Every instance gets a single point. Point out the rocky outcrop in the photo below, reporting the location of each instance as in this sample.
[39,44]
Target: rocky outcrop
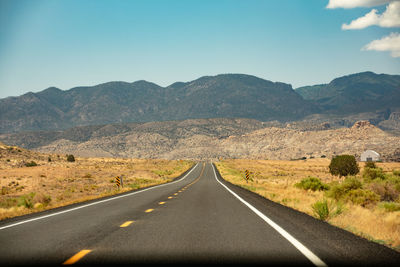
[215,138]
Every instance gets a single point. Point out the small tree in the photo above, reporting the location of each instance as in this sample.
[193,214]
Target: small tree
[370,164]
[70,158]
[344,165]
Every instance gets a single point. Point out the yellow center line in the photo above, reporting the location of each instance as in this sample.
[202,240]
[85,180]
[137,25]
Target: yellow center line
[149,210]
[77,257]
[175,194]
[161,203]
[126,224]
[170,197]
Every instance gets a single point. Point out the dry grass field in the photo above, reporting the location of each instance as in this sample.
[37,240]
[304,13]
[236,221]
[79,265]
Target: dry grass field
[275,180]
[59,182]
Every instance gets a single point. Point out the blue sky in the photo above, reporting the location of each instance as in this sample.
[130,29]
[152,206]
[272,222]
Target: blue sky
[65,44]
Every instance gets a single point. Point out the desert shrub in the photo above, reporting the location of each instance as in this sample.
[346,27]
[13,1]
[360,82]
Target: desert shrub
[370,174]
[26,200]
[88,175]
[49,159]
[5,190]
[31,164]
[70,158]
[312,183]
[394,180]
[396,172]
[321,209]
[390,206]
[370,164]
[362,197]
[351,183]
[338,191]
[43,199]
[344,165]
[325,210]
[385,190]
[323,156]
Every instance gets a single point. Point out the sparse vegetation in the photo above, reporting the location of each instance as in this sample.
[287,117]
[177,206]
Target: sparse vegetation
[63,183]
[26,200]
[366,203]
[370,164]
[312,183]
[31,164]
[390,206]
[70,158]
[344,165]
[325,210]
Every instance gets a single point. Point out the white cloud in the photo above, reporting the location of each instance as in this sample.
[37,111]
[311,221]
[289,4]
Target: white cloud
[389,43]
[389,18]
[356,3]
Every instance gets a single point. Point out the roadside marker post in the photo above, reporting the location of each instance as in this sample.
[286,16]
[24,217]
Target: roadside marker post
[247,175]
[118,181]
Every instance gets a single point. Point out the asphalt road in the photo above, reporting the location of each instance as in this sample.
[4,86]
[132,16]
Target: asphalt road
[198,218]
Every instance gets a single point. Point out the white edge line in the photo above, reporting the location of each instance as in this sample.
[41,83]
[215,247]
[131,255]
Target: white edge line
[95,203]
[305,251]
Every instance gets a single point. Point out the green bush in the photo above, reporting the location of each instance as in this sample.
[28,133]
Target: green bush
[70,158]
[321,209]
[312,183]
[390,206]
[31,164]
[370,174]
[362,197]
[325,210]
[26,200]
[396,172]
[338,191]
[394,180]
[370,164]
[344,165]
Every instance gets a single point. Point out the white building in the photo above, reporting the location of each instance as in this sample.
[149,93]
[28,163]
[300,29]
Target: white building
[370,155]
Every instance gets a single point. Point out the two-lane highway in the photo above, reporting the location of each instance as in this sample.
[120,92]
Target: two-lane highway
[197,218]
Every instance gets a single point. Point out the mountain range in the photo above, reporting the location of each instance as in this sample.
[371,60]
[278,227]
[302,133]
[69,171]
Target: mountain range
[220,96]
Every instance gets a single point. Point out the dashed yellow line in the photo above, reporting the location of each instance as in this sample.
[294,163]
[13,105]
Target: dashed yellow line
[77,257]
[161,203]
[175,194]
[149,210]
[126,224]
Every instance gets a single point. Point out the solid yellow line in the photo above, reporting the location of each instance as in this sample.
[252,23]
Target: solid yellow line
[126,224]
[76,257]
[161,203]
[149,210]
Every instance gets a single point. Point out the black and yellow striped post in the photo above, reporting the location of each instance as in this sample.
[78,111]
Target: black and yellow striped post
[247,175]
[118,181]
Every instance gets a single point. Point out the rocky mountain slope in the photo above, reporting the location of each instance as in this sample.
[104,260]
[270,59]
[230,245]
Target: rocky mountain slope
[356,93]
[221,96]
[212,139]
